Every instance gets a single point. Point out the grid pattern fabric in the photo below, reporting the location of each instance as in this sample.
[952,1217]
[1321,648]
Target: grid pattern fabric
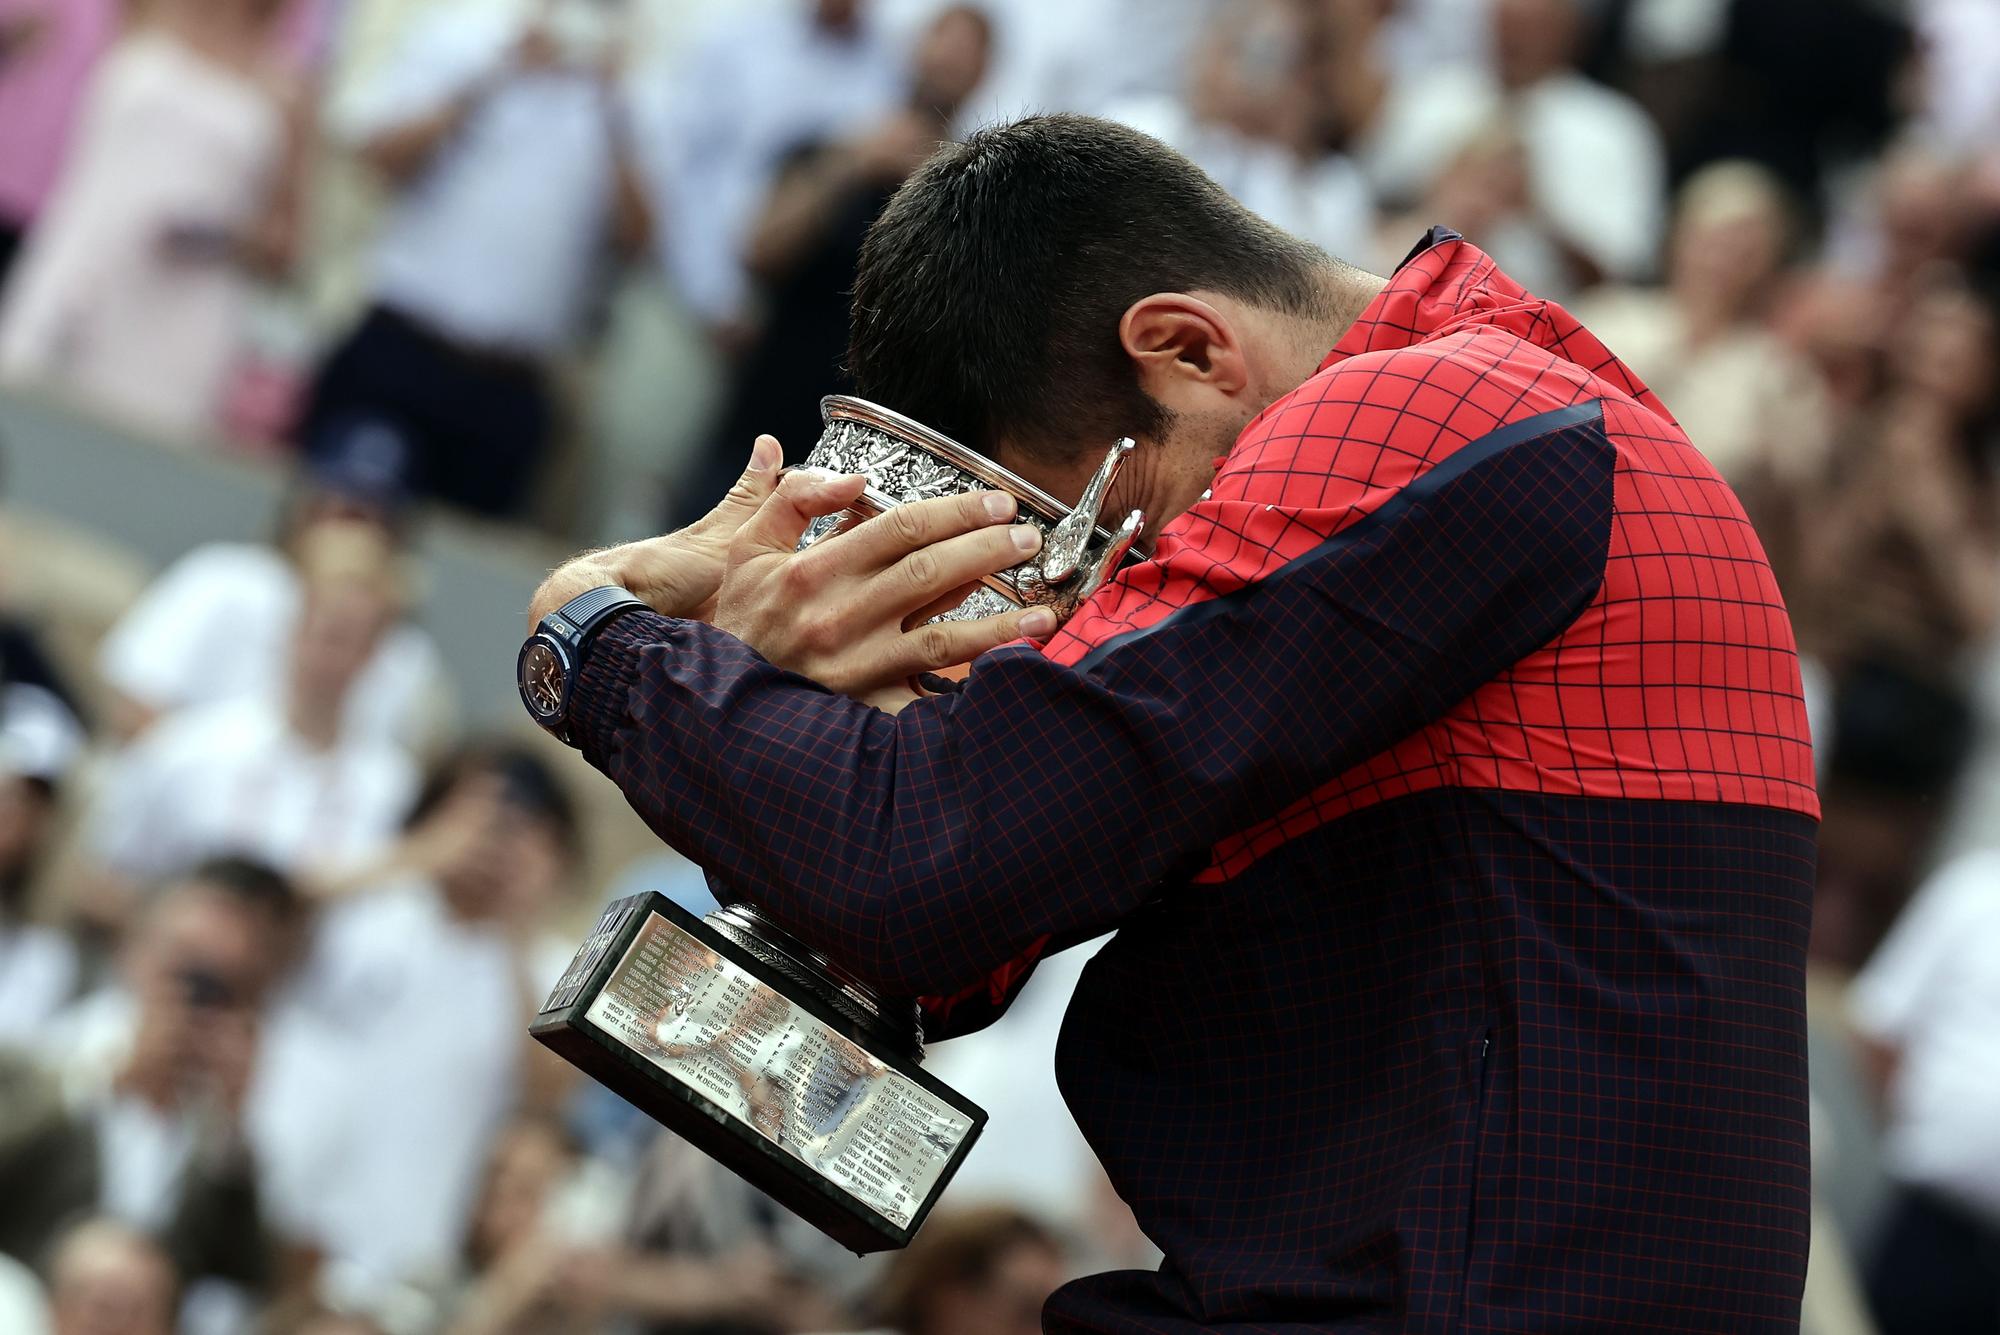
[1446,779]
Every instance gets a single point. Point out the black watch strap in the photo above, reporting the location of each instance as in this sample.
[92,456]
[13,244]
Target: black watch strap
[579,618]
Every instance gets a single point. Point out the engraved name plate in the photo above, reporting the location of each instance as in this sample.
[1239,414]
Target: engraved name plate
[679,1020]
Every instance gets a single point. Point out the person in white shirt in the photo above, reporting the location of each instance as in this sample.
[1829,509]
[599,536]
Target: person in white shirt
[1929,999]
[1596,166]
[270,776]
[506,139]
[402,1050]
[217,625]
[760,84]
[1246,118]
[39,740]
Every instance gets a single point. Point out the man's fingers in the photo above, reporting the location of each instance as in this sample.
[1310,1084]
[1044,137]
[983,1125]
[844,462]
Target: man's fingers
[932,571]
[943,644]
[888,538]
[801,496]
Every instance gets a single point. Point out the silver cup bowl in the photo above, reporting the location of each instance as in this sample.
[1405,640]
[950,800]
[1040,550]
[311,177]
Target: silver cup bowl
[905,461]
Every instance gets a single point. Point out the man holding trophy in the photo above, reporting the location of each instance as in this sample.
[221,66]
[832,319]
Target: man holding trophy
[1440,764]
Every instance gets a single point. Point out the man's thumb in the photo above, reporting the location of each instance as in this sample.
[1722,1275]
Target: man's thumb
[751,490]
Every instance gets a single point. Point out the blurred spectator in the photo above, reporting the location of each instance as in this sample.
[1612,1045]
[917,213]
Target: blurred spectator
[39,739]
[688,1212]
[973,1272]
[529,1274]
[217,626]
[1753,405]
[804,245]
[759,85]
[107,1279]
[403,1051]
[1901,566]
[1929,998]
[1483,190]
[1595,168]
[1248,120]
[273,775]
[506,140]
[155,1069]
[1914,224]
[182,178]
[1088,55]
[47,50]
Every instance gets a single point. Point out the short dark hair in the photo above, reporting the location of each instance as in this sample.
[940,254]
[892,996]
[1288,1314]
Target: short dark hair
[532,785]
[254,885]
[990,289]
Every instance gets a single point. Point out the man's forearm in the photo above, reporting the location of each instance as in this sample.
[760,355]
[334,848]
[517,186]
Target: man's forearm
[673,576]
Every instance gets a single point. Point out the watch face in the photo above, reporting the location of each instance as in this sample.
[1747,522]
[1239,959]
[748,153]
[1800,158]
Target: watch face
[543,673]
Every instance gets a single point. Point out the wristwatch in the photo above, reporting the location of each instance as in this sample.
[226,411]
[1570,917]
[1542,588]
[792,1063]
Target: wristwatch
[551,658]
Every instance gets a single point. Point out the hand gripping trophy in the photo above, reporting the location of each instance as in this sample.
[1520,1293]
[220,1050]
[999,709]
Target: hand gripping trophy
[759,1050]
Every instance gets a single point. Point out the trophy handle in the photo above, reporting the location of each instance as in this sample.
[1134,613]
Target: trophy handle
[1106,564]
[1064,550]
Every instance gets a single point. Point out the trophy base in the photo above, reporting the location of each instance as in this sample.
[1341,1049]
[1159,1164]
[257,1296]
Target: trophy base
[760,1054]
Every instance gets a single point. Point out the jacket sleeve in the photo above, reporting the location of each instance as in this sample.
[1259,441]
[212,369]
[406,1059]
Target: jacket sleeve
[1049,799]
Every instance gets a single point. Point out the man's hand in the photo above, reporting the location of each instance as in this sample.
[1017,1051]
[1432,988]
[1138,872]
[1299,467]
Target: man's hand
[850,611]
[676,575]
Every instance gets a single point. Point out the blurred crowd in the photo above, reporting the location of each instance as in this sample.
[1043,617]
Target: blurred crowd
[271,925]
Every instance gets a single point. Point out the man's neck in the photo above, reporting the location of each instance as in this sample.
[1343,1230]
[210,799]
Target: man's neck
[1347,293]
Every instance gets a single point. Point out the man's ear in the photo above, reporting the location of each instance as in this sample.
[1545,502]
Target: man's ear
[1181,344]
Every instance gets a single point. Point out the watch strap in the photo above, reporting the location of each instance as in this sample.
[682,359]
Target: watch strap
[580,617]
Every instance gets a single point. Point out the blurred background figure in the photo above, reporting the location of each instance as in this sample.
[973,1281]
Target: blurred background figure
[140,1108]
[273,773]
[505,139]
[1926,1001]
[805,240]
[181,181]
[108,1279]
[217,626]
[1899,584]
[1595,167]
[47,50]
[1703,342]
[422,972]
[1250,117]
[973,1272]
[758,86]
[39,743]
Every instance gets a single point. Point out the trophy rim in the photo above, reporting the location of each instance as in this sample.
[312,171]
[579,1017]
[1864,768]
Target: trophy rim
[849,408]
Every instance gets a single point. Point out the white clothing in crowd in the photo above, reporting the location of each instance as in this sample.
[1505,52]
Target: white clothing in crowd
[167,140]
[498,240]
[1083,55]
[23,1311]
[1596,167]
[232,778]
[755,88]
[217,626]
[1325,200]
[386,1072]
[1031,1151]
[38,973]
[1931,992]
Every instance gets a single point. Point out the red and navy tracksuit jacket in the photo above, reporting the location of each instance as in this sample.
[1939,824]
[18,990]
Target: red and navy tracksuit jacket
[1446,781]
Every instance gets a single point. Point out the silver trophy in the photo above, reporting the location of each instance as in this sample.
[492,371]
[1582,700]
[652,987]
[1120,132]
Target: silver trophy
[906,461]
[756,1048]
